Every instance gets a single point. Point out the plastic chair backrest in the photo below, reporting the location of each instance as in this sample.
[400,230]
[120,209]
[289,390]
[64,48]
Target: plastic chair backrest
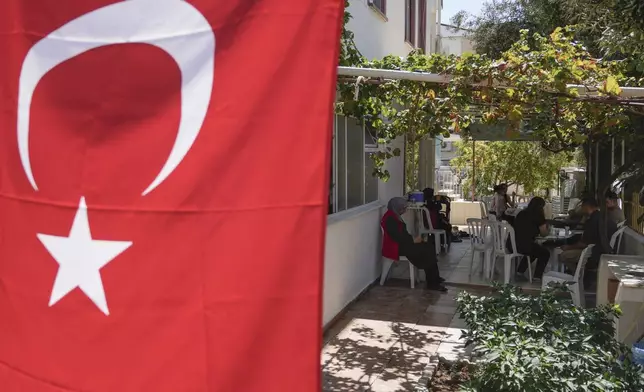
[621,224]
[503,231]
[581,265]
[479,229]
[616,239]
[425,213]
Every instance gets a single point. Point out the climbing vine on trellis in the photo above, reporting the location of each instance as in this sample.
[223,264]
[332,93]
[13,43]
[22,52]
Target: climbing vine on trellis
[527,88]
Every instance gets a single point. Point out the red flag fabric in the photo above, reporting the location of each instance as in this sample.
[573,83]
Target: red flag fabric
[163,193]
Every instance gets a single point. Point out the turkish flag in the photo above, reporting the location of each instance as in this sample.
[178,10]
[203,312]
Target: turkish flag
[163,193]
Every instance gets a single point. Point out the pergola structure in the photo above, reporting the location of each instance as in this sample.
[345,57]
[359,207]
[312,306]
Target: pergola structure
[629,92]
[477,131]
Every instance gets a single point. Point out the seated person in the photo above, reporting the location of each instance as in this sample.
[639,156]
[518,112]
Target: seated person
[576,216]
[439,221]
[500,203]
[613,212]
[528,224]
[398,242]
[591,236]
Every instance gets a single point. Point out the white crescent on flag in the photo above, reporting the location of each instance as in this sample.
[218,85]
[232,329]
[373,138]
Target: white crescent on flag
[161,23]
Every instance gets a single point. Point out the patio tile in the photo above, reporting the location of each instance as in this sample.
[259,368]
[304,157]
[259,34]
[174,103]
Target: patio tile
[343,377]
[453,351]
[357,363]
[409,315]
[398,316]
[457,323]
[400,375]
[442,309]
[386,339]
[447,299]
[415,349]
[438,320]
[453,335]
[339,326]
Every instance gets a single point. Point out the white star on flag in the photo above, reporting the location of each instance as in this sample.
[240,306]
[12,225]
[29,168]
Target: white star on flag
[80,259]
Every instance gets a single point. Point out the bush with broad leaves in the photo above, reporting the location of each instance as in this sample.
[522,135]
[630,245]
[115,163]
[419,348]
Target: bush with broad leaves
[545,344]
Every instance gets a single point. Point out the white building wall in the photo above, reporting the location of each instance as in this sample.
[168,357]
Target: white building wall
[454,41]
[378,35]
[352,249]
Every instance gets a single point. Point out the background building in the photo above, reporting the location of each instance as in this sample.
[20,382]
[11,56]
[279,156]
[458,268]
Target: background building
[352,258]
[454,40]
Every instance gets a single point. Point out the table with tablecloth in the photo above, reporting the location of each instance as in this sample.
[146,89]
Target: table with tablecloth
[628,272]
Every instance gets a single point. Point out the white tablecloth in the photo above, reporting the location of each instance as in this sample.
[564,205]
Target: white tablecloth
[629,271]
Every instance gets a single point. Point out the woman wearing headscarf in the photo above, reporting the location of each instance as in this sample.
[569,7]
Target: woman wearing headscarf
[398,242]
[439,221]
[528,224]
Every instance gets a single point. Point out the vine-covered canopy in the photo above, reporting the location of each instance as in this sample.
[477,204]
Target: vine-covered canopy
[528,88]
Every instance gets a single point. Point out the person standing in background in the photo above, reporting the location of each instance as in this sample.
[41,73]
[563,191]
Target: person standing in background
[501,202]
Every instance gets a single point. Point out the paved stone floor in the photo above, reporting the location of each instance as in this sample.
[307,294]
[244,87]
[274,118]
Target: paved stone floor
[384,341]
[455,268]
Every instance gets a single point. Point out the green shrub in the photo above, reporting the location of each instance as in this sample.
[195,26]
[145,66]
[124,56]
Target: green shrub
[544,344]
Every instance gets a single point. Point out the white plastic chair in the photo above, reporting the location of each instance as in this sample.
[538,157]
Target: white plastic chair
[576,282]
[616,239]
[481,242]
[387,263]
[621,224]
[437,233]
[503,231]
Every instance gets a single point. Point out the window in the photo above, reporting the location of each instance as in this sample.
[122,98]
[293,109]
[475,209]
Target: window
[410,20]
[370,182]
[422,25]
[380,5]
[352,180]
[341,163]
[355,168]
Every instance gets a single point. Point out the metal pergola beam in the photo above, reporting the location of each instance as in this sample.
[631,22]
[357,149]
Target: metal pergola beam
[627,92]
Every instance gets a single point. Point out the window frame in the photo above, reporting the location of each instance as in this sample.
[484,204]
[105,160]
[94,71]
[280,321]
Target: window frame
[379,5]
[422,25]
[410,22]
[366,149]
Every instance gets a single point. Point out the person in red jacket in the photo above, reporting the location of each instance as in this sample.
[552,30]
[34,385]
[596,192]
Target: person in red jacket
[398,242]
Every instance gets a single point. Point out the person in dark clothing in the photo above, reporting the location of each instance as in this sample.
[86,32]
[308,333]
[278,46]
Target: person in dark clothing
[528,224]
[592,235]
[398,242]
[439,221]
